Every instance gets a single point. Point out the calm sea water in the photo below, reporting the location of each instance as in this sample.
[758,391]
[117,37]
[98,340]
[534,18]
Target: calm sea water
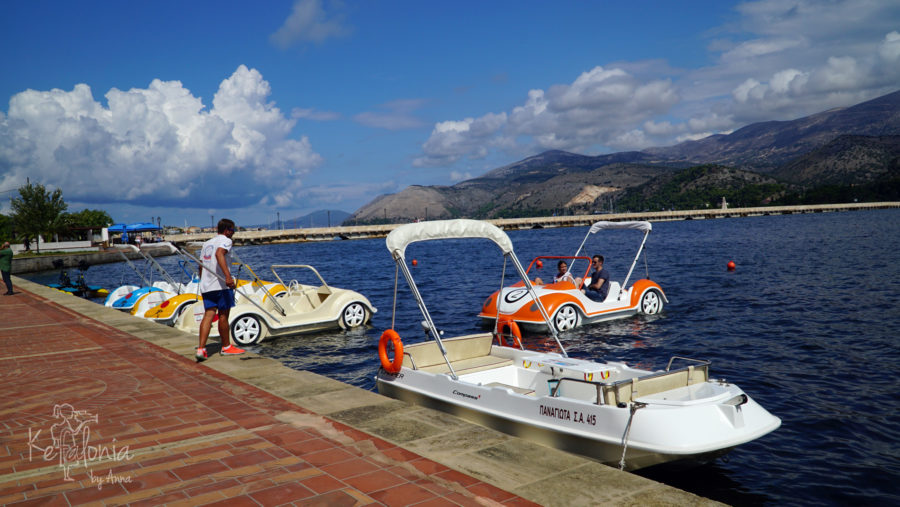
[808,325]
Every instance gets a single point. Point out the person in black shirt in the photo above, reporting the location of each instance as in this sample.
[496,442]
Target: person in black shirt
[599,286]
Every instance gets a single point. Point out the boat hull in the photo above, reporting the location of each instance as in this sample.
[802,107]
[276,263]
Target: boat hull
[607,453]
[689,433]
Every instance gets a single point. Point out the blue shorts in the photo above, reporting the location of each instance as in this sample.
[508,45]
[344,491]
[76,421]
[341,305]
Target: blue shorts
[594,295]
[219,299]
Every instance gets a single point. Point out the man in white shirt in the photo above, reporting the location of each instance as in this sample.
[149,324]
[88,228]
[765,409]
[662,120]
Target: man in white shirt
[217,288]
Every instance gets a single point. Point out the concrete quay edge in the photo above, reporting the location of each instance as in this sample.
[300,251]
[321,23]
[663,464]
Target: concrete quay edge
[534,472]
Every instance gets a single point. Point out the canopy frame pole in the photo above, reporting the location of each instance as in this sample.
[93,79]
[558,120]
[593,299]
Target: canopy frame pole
[165,274]
[574,259]
[401,263]
[259,283]
[537,301]
[396,284]
[633,263]
[499,298]
[133,267]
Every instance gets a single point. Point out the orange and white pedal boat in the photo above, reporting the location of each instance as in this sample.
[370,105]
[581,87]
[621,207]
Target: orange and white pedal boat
[564,301]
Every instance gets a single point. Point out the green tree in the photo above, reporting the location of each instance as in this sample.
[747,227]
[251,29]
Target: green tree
[38,212]
[89,218]
[5,228]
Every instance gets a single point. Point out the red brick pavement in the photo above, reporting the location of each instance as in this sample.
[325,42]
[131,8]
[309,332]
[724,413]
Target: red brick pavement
[155,428]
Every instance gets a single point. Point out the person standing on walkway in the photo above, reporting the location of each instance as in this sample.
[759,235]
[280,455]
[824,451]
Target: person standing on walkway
[6,255]
[217,288]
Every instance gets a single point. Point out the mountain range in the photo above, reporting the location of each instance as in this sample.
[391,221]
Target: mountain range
[767,161]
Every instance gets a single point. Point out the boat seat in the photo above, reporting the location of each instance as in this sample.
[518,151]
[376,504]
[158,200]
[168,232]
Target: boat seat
[471,365]
[627,391]
[467,354]
[302,302]
[613,293]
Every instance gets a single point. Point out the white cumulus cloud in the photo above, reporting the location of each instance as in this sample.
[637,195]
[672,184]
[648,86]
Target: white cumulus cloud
[601,107]
[790,59]
[890,48]
[775,61]
[157,145]
[453,140]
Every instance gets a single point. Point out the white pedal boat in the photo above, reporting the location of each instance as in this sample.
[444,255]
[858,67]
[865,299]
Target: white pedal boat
[264,310]
[609,411]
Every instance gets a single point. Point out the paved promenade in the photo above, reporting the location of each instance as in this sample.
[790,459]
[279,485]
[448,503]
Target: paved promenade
[100,407]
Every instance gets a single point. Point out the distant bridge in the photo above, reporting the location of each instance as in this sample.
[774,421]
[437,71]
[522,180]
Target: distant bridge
[380,231]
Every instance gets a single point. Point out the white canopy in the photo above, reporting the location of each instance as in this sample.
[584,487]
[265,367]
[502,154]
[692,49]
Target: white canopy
[603,225]
[402,236]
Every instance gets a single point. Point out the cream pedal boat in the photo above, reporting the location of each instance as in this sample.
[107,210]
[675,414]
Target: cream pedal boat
[301,308]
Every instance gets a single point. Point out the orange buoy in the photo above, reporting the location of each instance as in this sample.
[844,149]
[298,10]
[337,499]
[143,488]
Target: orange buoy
[731,265]
[539,264]
[513,333]
[415,262]
[392,366]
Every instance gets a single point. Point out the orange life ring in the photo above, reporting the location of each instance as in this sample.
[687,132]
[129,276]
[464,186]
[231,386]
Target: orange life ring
[390,366]
[513,330]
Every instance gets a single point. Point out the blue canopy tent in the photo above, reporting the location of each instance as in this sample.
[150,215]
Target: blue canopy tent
[138,227]
[142,227]
[133,228]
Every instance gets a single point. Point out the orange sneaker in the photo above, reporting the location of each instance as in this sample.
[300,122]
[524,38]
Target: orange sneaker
[231,350]
[201,355]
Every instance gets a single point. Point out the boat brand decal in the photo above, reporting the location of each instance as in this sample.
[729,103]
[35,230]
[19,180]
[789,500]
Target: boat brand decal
[604,374]
[466,395]
[515,295]
[589,377]
[526,364]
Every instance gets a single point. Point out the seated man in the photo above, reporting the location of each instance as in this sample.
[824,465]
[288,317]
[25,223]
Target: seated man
[599,286]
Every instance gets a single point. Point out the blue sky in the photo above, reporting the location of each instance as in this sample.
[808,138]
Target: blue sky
[183,110]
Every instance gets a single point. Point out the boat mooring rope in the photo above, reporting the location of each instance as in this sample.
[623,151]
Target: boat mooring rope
[635,406]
